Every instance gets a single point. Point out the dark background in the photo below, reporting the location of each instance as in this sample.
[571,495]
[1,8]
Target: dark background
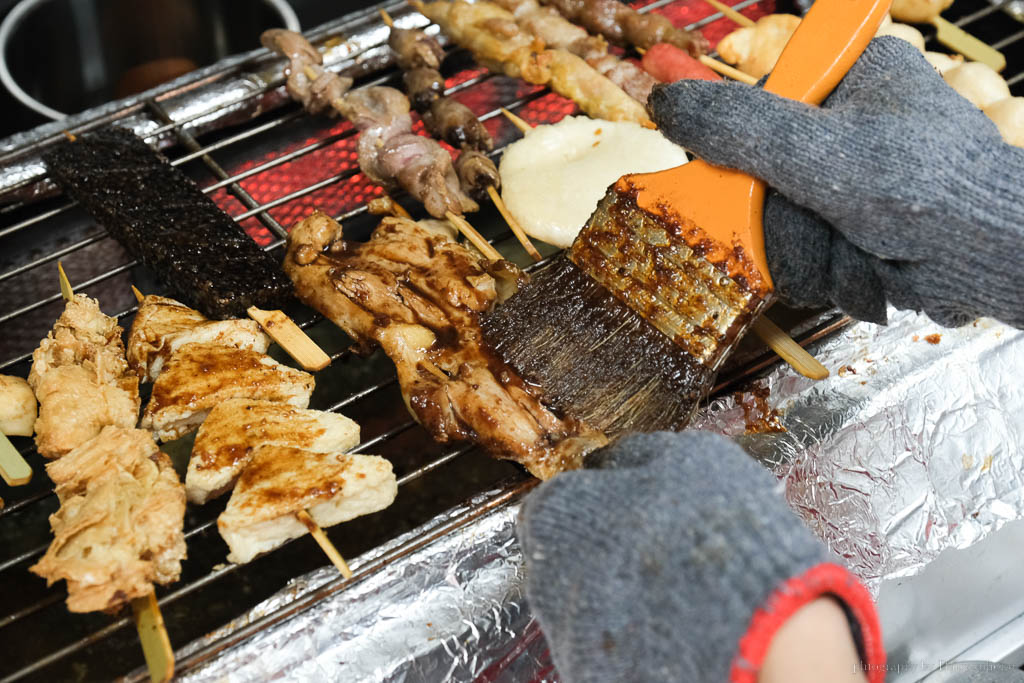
[15,117]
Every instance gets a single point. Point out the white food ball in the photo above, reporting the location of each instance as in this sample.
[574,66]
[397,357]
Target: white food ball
[17,406]
[942,62]
[918,11]
[978,82]
[1008,115]
[903,32]
[553,178]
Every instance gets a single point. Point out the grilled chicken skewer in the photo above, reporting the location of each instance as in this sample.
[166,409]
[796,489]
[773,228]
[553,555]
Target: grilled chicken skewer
[237,431]
[499,43]
[120,524]
[623,25]
[420,56]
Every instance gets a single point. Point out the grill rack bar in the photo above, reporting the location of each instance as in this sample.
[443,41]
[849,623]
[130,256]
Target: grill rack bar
[254,208]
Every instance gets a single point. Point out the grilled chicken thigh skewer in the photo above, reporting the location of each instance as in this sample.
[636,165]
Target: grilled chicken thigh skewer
[420,55]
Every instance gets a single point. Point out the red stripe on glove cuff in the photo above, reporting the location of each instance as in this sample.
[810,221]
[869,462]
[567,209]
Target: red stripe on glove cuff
[818,581]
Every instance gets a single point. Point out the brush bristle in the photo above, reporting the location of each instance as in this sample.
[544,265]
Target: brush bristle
[595,358]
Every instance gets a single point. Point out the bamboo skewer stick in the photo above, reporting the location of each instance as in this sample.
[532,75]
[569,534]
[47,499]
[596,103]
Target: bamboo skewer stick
[770,333]
[731,13]
[14,469]
[470,233]
[517,229]
[149,622]
[726,70]
[499,203]
[291,338]
[156,644]
[325,543]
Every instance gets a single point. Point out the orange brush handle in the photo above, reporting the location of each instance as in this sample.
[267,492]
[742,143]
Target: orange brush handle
[827,42]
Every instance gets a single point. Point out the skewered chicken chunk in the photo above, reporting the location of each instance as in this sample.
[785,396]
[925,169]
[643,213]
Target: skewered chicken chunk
[119,527]
[17,407]
[163,325]
[281,481]
[236,428]
[415,49]
[200,376]
[418,294]
[918,11]
[756,49]
[1008,115]
[81,379]
[978,82]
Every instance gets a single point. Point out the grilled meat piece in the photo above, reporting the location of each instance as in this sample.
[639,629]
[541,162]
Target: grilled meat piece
[317,95]
[236,428]
[623,25]
[456,124]
[498,42]
[290,44]
[200,376]
[163,218]
[390,154]
[415,49]
[17,407]
[424,86]
[81,379]
[120,525]
[418,294]
[476,173]
[281,481]
[163,325]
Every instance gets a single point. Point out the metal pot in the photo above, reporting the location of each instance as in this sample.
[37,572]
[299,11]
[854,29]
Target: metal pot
[60,56]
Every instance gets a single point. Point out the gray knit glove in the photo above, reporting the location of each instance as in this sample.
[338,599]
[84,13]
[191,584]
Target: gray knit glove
[897,189]
[676,561]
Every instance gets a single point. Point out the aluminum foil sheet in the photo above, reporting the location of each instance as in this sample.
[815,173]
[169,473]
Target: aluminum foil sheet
[913,445]
[448,611]
[233,90]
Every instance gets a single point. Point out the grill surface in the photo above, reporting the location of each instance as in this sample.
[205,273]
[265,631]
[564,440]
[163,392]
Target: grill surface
[268,173]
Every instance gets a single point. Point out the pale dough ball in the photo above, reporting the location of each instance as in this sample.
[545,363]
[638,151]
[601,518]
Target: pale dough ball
[918,11]
[942,62]
[553,178]
[17,406]
[978,82]
[903,32]
[1008,115]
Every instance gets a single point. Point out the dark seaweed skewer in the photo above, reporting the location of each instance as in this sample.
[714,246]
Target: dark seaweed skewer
[163,219]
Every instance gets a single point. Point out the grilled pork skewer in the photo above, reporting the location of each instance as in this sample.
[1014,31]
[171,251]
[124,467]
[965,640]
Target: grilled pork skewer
[451,121]
[499,43]
[623,25]
[416,293]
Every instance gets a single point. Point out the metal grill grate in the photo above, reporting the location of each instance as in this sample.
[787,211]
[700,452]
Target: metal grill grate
[281,164]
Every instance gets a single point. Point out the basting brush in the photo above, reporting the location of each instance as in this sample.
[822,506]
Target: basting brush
[626,329]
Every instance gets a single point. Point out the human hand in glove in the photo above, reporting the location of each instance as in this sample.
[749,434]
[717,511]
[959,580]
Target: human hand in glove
[897,189]
[676,559]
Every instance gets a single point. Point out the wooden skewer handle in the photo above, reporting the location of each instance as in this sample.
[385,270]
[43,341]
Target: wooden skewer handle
[726,70]
[325,543]
[156,645]
[291,338]
[13,468]
[962,42]
[731,13]
[791,352]
[517,229]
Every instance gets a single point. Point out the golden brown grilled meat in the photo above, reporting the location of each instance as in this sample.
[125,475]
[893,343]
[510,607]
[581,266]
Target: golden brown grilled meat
[200,376]
[281,481]
[476,173]
[415,49]
[17,407]
[456,124]
[81,379]
[236,428]
[119,527]
[418,294]
[164,325]
[424,86]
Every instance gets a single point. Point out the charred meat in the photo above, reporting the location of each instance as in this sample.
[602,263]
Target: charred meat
[418,294]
